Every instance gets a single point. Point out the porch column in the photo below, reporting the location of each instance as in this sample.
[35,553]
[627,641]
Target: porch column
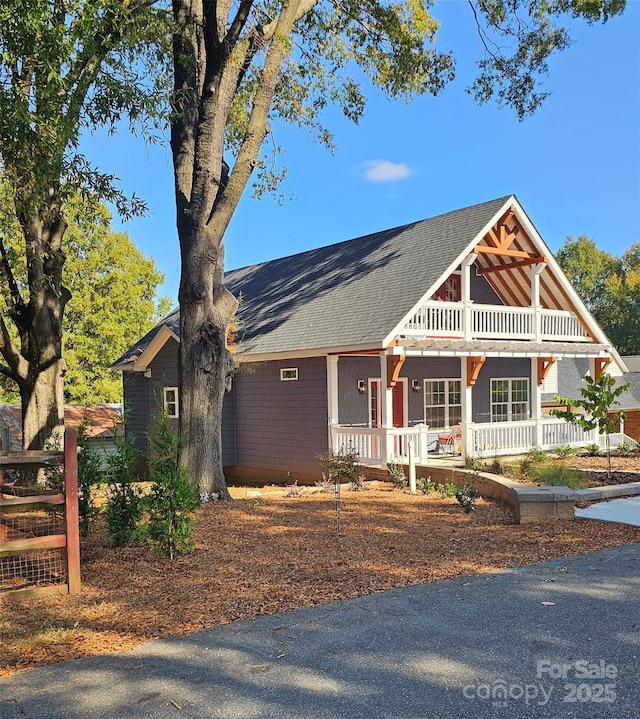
[332,395]
[465,292]
[536,401]
[466,409]
[386,409]
[536,271]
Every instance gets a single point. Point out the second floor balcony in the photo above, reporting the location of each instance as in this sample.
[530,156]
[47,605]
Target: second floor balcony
[470,321]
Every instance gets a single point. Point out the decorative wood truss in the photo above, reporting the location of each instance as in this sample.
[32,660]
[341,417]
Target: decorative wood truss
[500,242]
[474,365]
[601,364]
[394,365]
[544,365]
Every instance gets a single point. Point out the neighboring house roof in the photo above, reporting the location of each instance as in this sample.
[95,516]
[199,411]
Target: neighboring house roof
[99,419]
[355,295]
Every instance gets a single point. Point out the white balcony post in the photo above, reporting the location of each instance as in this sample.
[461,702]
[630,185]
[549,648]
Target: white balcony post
[465,291]
[536,271]
[332,396]
[423,443]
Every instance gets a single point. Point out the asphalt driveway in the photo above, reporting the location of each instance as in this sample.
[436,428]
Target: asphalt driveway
[555,640]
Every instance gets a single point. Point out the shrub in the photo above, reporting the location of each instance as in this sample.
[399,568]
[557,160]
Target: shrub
[172,499]
[525,467]
[425,485]
[358,484]
[397,474]
[557,475]
[123,509]
[496,466]
[293,490]
[467,496]
[592,450]
[625,449]
[90,477]
[337,466]
[446,490]
[564,451]
[536,455]
[325,484]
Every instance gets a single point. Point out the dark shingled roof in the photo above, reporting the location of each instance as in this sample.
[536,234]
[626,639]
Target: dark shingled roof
[350,293]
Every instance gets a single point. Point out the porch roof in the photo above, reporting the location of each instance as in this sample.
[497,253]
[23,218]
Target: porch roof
[432,346]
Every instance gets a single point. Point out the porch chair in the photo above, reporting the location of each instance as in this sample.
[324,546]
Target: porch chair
[450,442]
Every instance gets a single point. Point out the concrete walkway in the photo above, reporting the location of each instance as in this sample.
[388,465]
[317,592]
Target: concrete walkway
[555,640]
[620,511]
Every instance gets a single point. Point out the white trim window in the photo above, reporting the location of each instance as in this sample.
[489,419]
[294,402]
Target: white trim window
[288,374]
[442,403]
[170,401]
[510,399]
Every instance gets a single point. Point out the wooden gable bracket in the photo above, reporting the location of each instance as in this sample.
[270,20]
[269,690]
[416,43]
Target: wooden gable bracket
[499,241]
[601,364]
[394,365]
[544,365]
[474,365]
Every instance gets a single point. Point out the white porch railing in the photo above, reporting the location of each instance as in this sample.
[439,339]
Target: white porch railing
[474,321]
[377,445]
[502,438]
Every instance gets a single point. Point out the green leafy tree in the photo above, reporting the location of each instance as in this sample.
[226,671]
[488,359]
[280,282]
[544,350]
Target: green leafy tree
[619,316]
[596,404]
[589,270]
[65,67]
[113,287]
[240,68]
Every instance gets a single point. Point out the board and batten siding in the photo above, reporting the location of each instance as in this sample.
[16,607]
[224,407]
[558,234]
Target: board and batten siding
[281,426]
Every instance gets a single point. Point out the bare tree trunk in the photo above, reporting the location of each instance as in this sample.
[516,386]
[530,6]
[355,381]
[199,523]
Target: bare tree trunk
[43,408]
[205,362]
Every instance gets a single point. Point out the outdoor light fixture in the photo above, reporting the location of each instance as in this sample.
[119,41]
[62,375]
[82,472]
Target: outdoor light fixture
[362,386]
[415,385]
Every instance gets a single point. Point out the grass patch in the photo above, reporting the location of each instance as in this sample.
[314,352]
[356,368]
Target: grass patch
[557,475]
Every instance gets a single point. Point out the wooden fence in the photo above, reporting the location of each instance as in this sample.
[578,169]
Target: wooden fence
[39,534]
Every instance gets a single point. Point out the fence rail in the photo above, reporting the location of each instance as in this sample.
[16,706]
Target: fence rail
[39,534]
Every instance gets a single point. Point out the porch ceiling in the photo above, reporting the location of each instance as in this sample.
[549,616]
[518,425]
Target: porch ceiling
[496,348]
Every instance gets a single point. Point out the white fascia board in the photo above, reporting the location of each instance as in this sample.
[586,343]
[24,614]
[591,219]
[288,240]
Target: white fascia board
[151,350]
[304,354]
[450,352]
[456,263]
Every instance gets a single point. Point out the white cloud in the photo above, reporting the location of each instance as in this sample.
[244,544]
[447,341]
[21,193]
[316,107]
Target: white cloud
[385,171]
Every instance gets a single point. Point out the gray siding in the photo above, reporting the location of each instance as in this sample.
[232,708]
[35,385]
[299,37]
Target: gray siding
[135,408]
[353,406]
[497,368]
[282,426]
[229,457]
[481,290]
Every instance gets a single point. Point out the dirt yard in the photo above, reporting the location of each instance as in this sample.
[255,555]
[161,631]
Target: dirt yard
[273,553]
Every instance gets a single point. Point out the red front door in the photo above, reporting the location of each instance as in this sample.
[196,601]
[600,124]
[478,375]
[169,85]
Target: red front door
[397,403]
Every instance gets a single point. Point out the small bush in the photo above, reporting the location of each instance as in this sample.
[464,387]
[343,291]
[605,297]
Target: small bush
[337,466]
[172,499]
[592,450]
[358,484]
[446,490]
[425,485]
[471,462]
[397,474]
[293,490]
[565,451]
[90,477]
[467,496]
[537,455]
[525,467]
[624,449]
[557,475]
[325,484]
[496,466]
[123,509]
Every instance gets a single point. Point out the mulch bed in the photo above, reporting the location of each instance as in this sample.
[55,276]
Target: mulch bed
[273,553]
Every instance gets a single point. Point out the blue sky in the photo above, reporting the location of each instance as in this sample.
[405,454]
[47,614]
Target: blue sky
[574,165]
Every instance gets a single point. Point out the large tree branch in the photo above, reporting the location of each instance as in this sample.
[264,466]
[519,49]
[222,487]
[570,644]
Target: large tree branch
[12,297]
[279,31]
[17,364]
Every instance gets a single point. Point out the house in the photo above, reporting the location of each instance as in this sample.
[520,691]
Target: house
[100,422]
[387,342]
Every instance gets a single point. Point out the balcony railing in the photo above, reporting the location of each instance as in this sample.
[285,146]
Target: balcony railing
[474,321]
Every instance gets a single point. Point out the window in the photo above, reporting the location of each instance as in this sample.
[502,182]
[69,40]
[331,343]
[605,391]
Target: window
[450,290]
[509,400]
[170,401]
[288,374]
[442,402]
